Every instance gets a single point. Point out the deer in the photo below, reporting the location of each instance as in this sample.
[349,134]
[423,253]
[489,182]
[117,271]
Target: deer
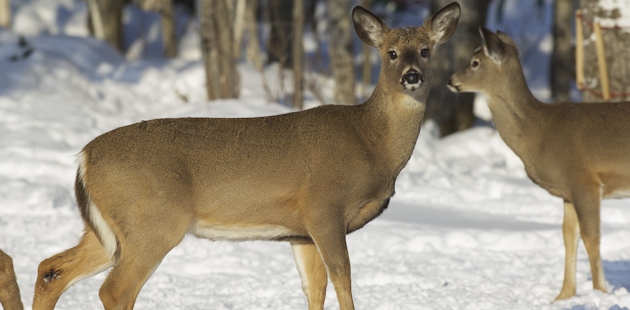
[579,152]
[308,178]
[9,290]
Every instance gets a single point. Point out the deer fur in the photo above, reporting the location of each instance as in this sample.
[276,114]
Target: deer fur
[9,290]
[307,177]
[579,152]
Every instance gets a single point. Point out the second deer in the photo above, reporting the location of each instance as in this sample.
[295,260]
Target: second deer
[307,177]
[579,152]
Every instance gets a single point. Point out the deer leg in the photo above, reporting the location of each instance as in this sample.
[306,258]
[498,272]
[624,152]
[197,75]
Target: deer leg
[312,272]
[140,255]
[330,239]
[587,208]
[571,234]
[57,273]
[9,292]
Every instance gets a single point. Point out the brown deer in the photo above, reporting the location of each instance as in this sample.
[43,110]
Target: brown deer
[579,152]
[307,177]
[9,290]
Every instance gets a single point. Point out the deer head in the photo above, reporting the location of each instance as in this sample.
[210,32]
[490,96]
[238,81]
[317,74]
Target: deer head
[405,52]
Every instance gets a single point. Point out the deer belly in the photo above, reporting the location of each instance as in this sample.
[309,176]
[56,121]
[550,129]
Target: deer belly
[241,232]
[623,192]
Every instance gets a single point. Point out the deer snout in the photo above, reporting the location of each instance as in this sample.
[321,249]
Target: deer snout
[412,79]
[453,86]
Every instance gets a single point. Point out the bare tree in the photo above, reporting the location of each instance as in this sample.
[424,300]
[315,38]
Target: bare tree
[222,77]
[105,21]
[253,53]
[298,53]
[239,26]
[279,45]
[367,52]
[5,14]
[616,42]
[562,63]
[167,14]
[340,50]
[454,112]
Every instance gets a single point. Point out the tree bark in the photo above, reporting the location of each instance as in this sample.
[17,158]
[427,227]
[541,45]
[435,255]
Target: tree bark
[454,112]
[279,46]
[367,52]
[5,14]
[239,26]
[105,21]
[616,43]
[166,9]
[340,50]
[562,60]
[222,77]
[253,48]
[298,54]
[169,38]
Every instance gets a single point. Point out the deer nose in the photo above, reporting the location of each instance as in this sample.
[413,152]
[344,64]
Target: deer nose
[413,77]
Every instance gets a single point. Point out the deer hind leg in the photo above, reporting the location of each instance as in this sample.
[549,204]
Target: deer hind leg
[140,254]
[571,234]
[9,290]
[313,273]
[587,208]
[57,273]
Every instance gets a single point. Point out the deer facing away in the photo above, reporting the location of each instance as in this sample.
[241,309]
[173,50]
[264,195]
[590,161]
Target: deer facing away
[579,152]
[307,177]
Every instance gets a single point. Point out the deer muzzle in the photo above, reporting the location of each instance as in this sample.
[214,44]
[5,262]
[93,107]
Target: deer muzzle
[412,80]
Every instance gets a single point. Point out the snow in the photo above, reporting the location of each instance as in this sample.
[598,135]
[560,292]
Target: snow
[466,229]
[619,13]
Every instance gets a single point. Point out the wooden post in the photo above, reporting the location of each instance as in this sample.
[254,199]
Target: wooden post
[579,50]
[601,61]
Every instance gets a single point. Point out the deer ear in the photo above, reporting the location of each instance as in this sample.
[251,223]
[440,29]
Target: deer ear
[369,27]
[444,23]
[493,46]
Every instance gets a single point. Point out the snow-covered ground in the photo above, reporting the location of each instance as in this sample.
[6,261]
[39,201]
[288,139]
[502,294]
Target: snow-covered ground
[466,229]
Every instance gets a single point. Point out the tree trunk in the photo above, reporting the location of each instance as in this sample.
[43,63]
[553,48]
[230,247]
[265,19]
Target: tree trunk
[166,9]
[239,27]
[367,52]
[253,48]
[5,14]
[279,47]
[169,38]
[105,21]
[454,112]
[616,44]
[340,50]
[298,54]
[222,77]
[562,61]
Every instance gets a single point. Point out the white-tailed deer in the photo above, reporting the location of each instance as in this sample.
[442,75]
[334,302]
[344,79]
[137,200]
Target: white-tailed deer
[9,290]
[307,177]
[579,152]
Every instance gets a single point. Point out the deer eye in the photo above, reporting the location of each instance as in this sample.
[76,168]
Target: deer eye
[424,52]
[474,64]
[392,55]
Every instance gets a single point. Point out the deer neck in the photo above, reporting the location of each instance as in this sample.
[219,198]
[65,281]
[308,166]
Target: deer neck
[517,114]
[394,120]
